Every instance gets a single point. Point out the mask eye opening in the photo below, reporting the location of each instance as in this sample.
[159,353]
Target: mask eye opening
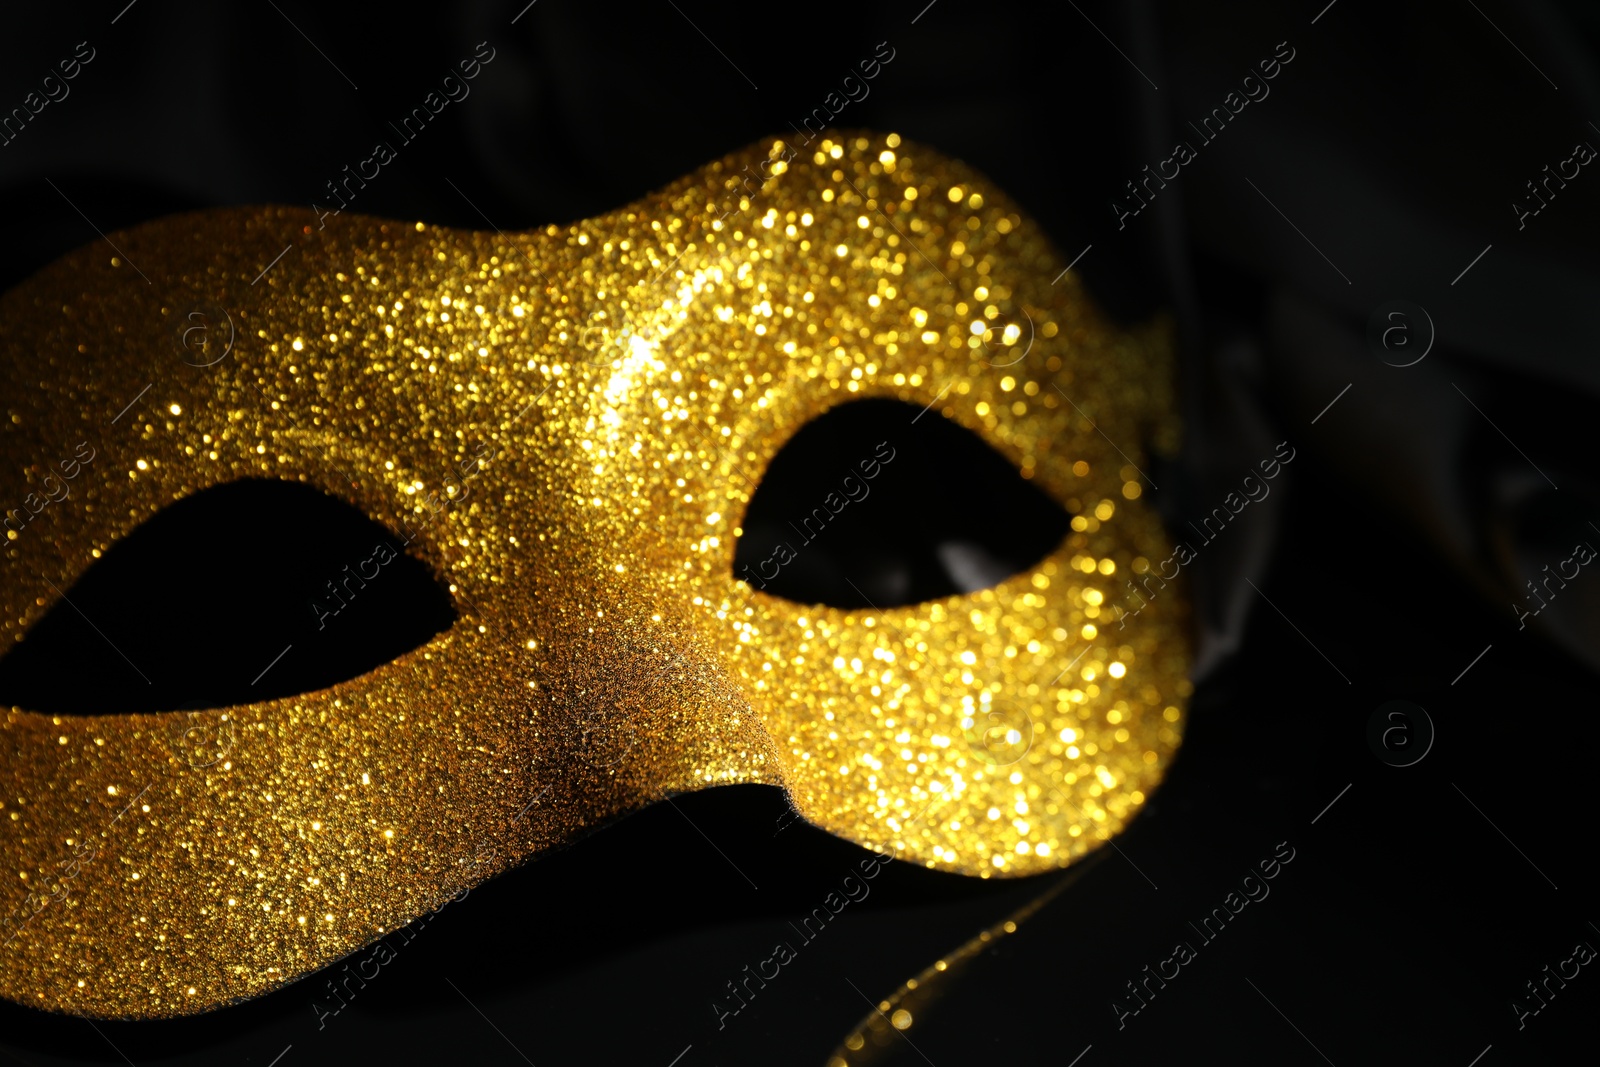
[876,503]
[248,591]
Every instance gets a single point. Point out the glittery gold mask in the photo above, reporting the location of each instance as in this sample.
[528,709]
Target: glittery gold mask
[566,425]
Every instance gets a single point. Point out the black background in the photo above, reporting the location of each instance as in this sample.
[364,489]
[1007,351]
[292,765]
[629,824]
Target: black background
[1417,905]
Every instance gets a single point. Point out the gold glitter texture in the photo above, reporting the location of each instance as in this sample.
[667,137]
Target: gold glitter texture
[630,377]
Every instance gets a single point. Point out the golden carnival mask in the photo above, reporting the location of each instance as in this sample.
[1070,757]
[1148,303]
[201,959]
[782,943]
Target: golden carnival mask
[613,389]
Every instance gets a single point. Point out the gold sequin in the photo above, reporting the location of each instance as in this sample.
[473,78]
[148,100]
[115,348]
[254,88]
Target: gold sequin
[572,421]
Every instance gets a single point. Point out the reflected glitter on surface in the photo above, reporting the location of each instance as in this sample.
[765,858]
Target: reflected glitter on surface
[873,1041]
[629,377]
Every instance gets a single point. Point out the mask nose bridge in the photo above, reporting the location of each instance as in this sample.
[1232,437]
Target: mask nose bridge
[617,638]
